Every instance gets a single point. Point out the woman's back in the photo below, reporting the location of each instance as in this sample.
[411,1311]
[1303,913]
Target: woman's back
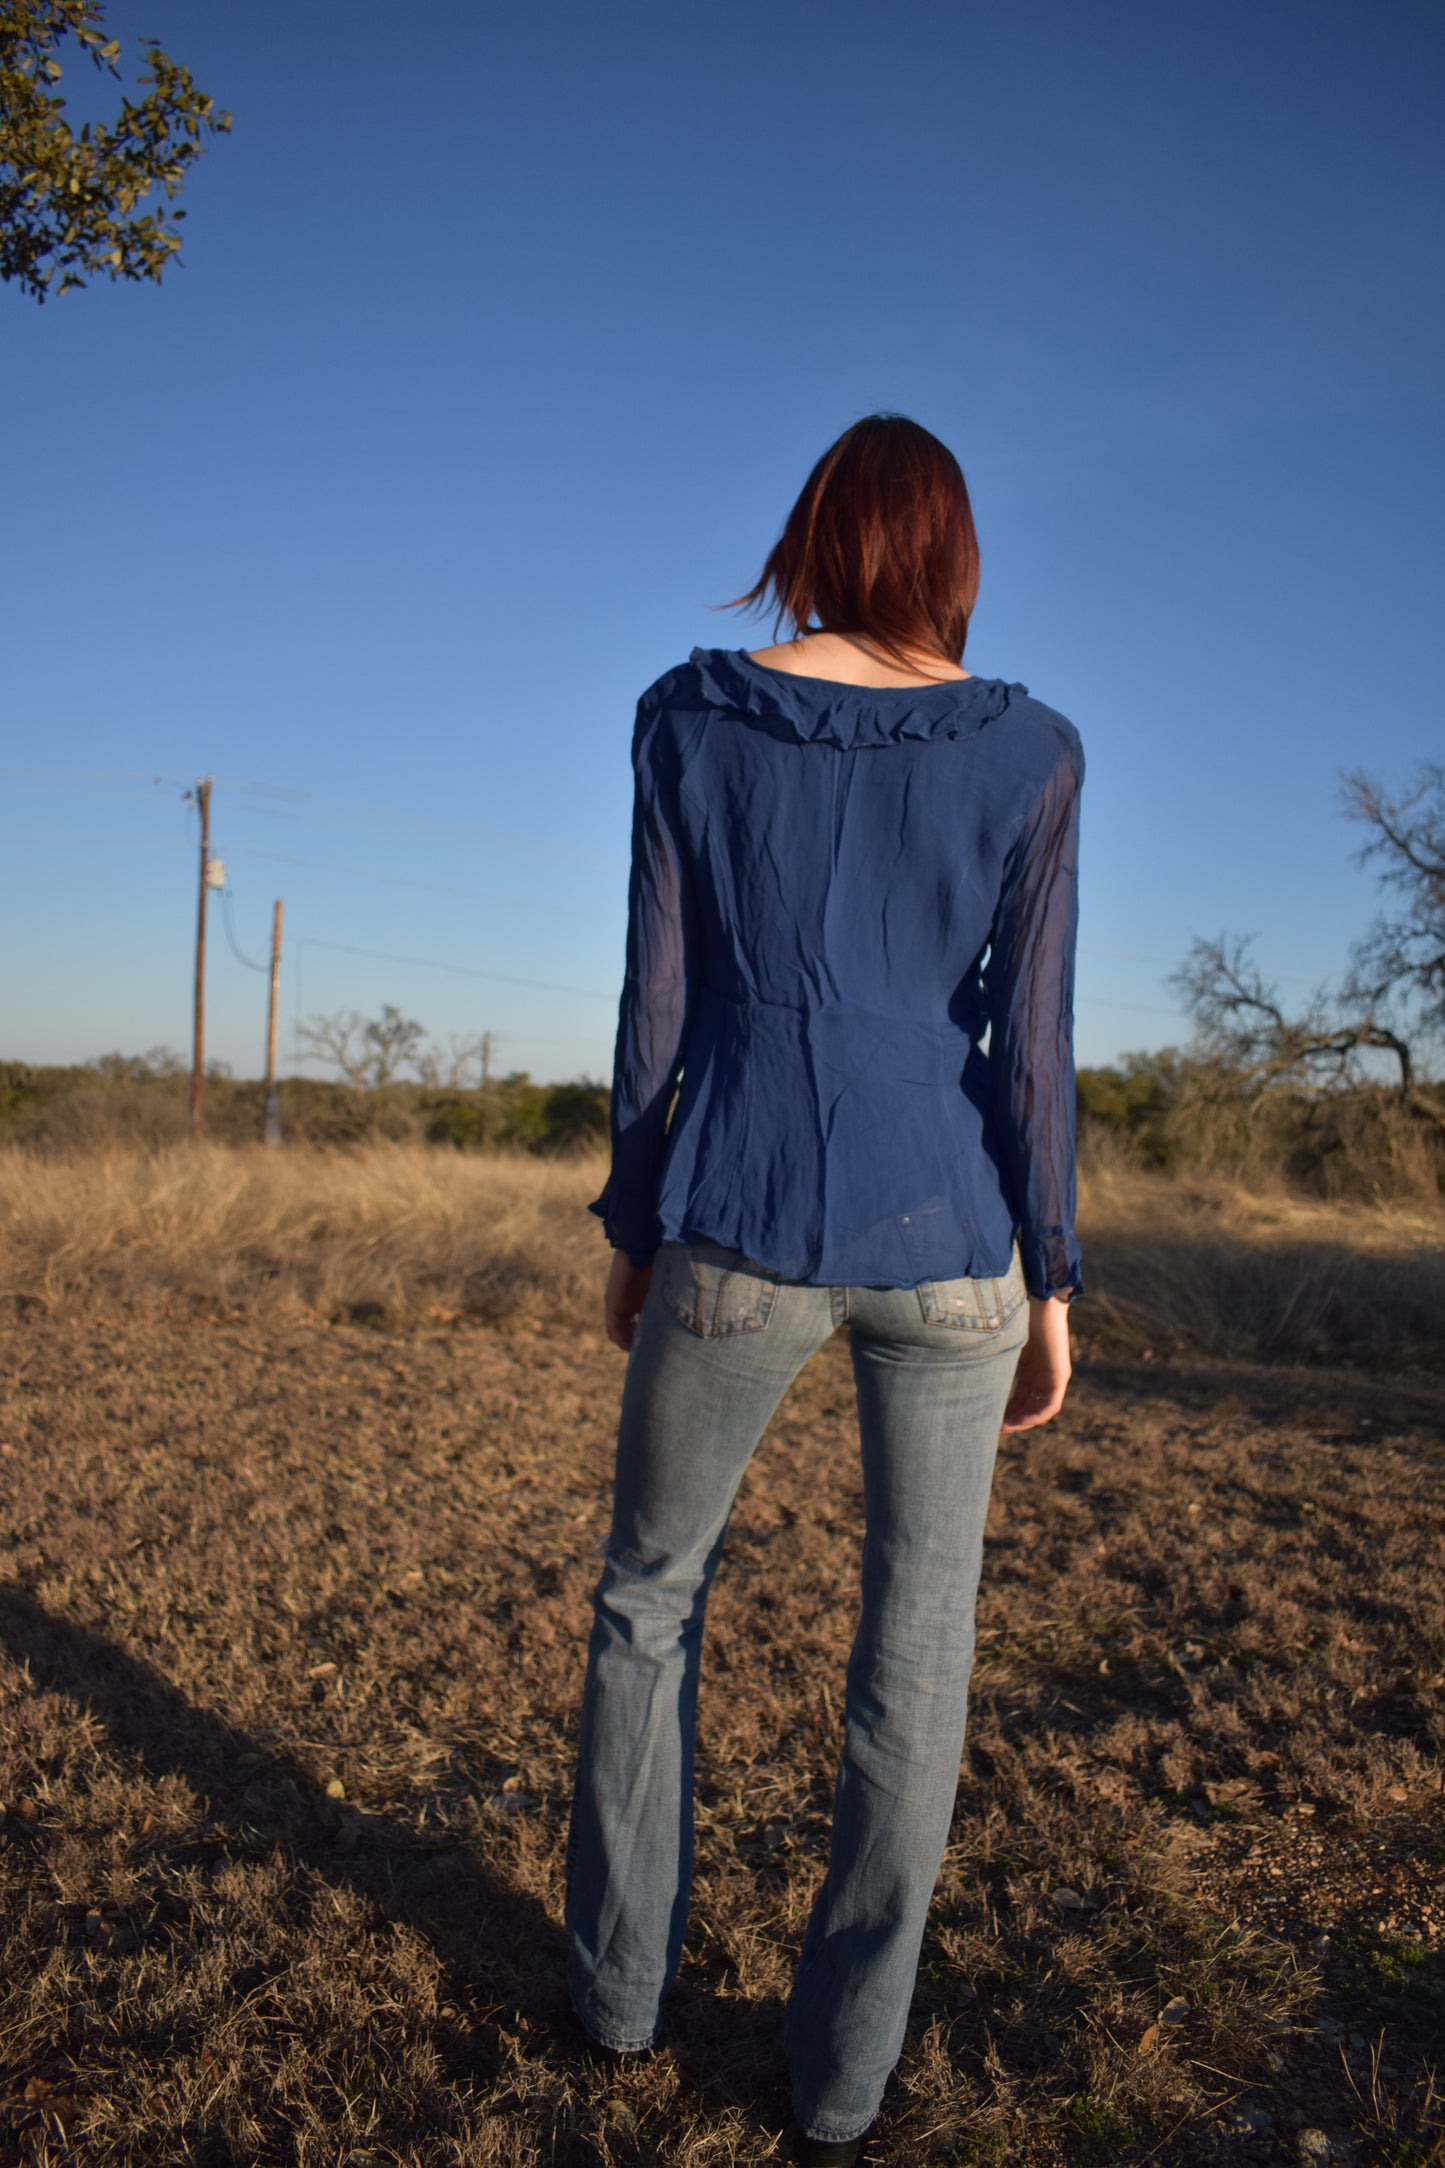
[820,870]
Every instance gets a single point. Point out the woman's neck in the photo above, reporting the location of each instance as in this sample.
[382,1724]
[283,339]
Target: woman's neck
[848,658]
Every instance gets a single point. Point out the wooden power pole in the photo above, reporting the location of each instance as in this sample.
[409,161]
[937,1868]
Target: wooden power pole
[272,1129]
[198,1036]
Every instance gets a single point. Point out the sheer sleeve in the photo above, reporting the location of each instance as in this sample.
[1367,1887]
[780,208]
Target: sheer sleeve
[657,985]
[1030,985]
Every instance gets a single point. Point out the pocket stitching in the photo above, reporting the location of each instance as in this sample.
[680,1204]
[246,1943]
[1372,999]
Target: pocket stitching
[755,1322]
[705,1319]
[996,1308]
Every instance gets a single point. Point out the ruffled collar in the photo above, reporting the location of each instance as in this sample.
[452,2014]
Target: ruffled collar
[822,712]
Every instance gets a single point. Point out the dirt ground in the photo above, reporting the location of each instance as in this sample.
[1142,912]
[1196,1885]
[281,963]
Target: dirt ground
[290,1640]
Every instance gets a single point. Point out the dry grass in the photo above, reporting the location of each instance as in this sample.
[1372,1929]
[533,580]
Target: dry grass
[377,1230]
[1259,1271]
[406,1233]
[290,1635]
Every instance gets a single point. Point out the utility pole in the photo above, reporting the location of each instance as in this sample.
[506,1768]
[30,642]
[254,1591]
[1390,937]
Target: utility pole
[198,1035]
[272,1129]
[486,1123]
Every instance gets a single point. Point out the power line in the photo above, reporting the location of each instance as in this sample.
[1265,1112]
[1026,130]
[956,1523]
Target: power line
[228,922]
[407,880]
[462,971]
[1145,1008]
[292,804]
[1170,963]
[511,899]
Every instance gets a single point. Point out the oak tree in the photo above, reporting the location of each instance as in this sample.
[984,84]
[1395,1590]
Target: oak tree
[370,1052]
[76,204]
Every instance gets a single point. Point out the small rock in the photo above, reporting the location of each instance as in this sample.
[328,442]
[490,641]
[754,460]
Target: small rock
[511,1802]
[1175,2012]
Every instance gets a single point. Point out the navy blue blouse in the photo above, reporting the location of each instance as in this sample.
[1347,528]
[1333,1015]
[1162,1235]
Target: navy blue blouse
[839,893]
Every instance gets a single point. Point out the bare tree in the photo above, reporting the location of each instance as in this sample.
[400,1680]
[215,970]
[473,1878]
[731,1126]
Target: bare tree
[1393,998]
[395,1043]
[339,1040]
[370,1052]
[1401,960]
[1242,1024]
[451,1070]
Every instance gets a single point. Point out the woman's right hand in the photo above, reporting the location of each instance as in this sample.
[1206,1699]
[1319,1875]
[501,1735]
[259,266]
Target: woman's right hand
[1044,1370]
[627,1286]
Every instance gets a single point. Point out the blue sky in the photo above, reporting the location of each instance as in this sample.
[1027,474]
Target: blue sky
[494,363]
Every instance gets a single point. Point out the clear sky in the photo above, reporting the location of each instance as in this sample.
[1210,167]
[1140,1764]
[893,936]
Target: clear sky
[500,348]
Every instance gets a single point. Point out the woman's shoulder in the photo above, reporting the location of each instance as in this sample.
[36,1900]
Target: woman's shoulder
[1026,713]
[685,684]
[1040,735]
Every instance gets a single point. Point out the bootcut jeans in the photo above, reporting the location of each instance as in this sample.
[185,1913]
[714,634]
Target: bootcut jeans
[718,1342]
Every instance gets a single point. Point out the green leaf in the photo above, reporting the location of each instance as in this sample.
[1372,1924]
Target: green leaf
[70,203]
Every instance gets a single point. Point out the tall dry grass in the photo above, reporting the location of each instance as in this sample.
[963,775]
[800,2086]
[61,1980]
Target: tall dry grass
[388,1230]
[1254,1269]
[400,1231]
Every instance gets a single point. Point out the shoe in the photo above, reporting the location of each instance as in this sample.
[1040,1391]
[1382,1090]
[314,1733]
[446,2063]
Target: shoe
[602,2052]
[828,2152]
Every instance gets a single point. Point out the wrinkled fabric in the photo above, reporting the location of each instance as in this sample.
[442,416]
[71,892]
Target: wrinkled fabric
[845,1042]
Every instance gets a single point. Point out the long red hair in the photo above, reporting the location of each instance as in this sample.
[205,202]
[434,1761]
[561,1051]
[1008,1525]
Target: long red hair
[880,544]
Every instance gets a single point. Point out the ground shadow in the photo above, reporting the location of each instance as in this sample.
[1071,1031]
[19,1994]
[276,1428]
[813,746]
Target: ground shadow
[492,1940]
[1277,1391]
[503,1956]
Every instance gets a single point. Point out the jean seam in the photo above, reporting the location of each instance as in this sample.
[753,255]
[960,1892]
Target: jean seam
[948,1386]
[606,2039]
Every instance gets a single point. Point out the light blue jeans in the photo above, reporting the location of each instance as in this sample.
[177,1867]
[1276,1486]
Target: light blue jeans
[718,1343]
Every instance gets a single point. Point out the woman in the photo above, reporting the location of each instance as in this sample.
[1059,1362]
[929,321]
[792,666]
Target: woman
[852,863]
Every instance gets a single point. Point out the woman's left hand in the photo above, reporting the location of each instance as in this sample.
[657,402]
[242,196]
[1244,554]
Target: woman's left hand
[1044,1370]
[627,1286]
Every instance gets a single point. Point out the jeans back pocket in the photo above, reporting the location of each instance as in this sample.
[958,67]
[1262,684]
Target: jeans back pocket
[974,1305]
[713,1290]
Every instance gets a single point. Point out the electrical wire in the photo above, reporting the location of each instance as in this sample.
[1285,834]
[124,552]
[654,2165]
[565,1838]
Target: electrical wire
[462,971]
[313,806]
[228,921]
[406,880]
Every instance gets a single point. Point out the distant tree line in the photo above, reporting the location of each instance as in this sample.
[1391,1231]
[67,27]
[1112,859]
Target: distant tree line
[143,1100]
[1176,1110]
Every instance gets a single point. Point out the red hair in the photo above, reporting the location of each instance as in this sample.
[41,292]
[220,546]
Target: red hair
[880,544]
